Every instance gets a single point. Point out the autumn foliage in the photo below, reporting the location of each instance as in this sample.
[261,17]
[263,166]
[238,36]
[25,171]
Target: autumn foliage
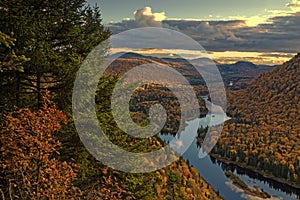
[265,126]
[29,149]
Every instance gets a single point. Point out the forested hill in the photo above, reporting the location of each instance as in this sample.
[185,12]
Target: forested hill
[42,46]
[264,133]
[275,93]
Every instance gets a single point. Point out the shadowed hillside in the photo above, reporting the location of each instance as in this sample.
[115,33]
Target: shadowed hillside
[264,131]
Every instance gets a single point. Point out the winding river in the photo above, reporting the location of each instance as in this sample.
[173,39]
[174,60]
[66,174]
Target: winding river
[213,171]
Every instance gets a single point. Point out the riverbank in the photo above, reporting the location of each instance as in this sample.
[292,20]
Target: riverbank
[248,196]
[253,169]
[255,191]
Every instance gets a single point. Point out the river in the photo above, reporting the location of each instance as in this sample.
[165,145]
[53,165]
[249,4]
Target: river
[213,171]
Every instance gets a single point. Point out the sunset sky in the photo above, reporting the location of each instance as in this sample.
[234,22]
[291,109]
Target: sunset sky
[261,31]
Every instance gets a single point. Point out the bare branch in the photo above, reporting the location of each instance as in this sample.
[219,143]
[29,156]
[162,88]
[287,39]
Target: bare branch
[2,194]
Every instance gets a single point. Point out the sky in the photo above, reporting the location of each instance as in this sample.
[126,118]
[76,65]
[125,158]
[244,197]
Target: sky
[261,31]
[116,10]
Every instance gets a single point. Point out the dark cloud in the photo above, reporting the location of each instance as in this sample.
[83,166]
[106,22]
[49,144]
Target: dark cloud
[208,30]
[279,34]
[295,4]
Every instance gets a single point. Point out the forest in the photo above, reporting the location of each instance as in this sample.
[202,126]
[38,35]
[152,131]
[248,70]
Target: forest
[43,44]
[263,133]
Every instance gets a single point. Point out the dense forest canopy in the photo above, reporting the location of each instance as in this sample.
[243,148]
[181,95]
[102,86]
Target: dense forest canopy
[54,36]
[43,44]
[265,126]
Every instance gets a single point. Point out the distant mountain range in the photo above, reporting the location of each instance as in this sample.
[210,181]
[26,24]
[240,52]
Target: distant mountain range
[235,76]
[240,74]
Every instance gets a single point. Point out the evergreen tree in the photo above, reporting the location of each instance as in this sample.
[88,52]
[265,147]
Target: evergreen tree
[55,36]
[10,64]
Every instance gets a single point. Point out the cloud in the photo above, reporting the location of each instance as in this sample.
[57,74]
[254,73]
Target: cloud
[292,8]
[253,20]
[294,5]
[207,31]
[269,58]
[277,34]
[280,34]
[145,17]
[276,31]
[216,31]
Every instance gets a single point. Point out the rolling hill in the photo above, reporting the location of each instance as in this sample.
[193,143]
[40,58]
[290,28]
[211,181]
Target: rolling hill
[264,133]
[236,76]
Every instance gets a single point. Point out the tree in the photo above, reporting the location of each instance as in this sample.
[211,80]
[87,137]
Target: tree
[56,36]
[267,123]
[28,151]
[10,64]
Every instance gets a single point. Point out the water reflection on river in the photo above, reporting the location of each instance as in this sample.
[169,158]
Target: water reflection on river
[213,171]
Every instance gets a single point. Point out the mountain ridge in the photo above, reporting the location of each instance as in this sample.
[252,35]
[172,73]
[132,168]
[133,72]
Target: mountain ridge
[265,126]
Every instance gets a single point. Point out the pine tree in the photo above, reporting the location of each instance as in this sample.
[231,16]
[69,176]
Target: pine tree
[10,64]
[55,36]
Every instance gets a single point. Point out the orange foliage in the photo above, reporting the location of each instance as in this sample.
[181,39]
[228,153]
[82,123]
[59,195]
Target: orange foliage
[28,148]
